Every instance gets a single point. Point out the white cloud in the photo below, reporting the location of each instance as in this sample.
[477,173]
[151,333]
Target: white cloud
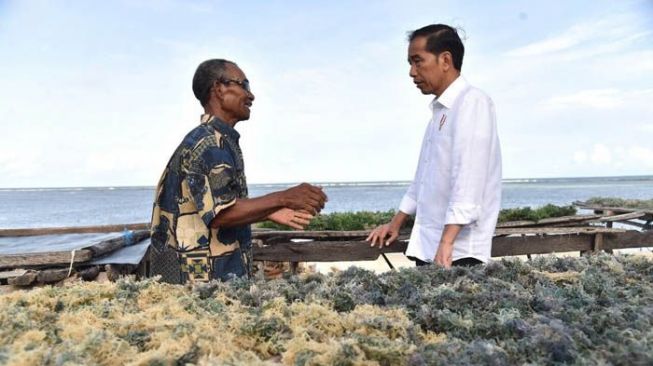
[609,98]
[646,127]
[564,41]
[642,155]
[601,154]
[19,164]
[586,39]
[580,157]
[617,159]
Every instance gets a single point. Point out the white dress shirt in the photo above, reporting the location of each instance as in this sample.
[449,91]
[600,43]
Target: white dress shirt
[458,178]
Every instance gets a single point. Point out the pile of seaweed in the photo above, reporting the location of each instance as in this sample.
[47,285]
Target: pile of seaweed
[589,310]
[366,220]
[620,202]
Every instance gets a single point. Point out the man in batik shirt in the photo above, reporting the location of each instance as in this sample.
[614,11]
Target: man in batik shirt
[202,214]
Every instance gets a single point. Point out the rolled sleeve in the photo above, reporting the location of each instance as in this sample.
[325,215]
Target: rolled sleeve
[462,214]
[408,205]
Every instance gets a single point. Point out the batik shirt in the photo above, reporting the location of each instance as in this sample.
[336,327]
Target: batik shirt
[204,176]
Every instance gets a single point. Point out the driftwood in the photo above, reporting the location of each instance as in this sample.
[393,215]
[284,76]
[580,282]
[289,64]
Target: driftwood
[13,273]
[43,277]
[52,275]
[73,230]
[90,273]
[25,279]
[111,245]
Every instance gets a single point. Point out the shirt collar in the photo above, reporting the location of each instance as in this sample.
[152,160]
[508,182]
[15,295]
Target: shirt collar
[450,94]
[219,125]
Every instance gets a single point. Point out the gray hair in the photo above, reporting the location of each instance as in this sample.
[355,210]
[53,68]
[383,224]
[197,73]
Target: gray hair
[206,74]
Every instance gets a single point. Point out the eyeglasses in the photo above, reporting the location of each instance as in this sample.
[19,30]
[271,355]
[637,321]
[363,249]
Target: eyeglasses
[242,83]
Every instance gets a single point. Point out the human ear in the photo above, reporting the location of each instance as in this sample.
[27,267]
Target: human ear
[217,91]
[446,60]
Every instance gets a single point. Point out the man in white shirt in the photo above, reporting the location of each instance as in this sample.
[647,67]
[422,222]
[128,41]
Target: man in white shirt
[456,192]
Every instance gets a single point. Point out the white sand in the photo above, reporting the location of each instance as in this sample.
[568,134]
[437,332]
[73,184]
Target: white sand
[399,260]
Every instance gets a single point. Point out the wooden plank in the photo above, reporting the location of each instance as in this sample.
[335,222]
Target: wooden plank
[509,224]
[557,230]
[73,230]
[47,258]
[276,237]
[289,235]
[328,251]
[621,217]
[572,220]
[310,234]
[360,250]
[515,245]
[324,251]
[575,218]
[629,239]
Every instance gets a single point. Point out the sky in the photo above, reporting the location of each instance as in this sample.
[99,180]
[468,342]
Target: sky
[98,93]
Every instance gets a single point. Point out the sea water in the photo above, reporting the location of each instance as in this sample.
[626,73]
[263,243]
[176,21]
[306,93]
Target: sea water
[52,207]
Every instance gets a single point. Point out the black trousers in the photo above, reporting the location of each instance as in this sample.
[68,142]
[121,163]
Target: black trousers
[462,262]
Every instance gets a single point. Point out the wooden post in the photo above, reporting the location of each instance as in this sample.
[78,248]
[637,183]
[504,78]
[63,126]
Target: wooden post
[597,245]
[608,225]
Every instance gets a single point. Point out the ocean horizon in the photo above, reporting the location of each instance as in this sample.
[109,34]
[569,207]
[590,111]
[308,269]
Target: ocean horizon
[614,178]
[111,205]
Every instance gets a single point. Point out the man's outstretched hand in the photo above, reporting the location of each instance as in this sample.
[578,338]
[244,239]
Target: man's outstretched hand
[304,197]
[385,234]
[388,233]
[294,219]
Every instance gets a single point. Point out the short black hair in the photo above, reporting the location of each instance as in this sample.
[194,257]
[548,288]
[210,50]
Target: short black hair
[441,38]
[206,74]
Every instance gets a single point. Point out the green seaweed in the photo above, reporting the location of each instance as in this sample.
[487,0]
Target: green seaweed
[548,311]
[366,220]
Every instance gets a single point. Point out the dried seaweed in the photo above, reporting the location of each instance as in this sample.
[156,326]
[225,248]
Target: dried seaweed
[589,310]
[620,202]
